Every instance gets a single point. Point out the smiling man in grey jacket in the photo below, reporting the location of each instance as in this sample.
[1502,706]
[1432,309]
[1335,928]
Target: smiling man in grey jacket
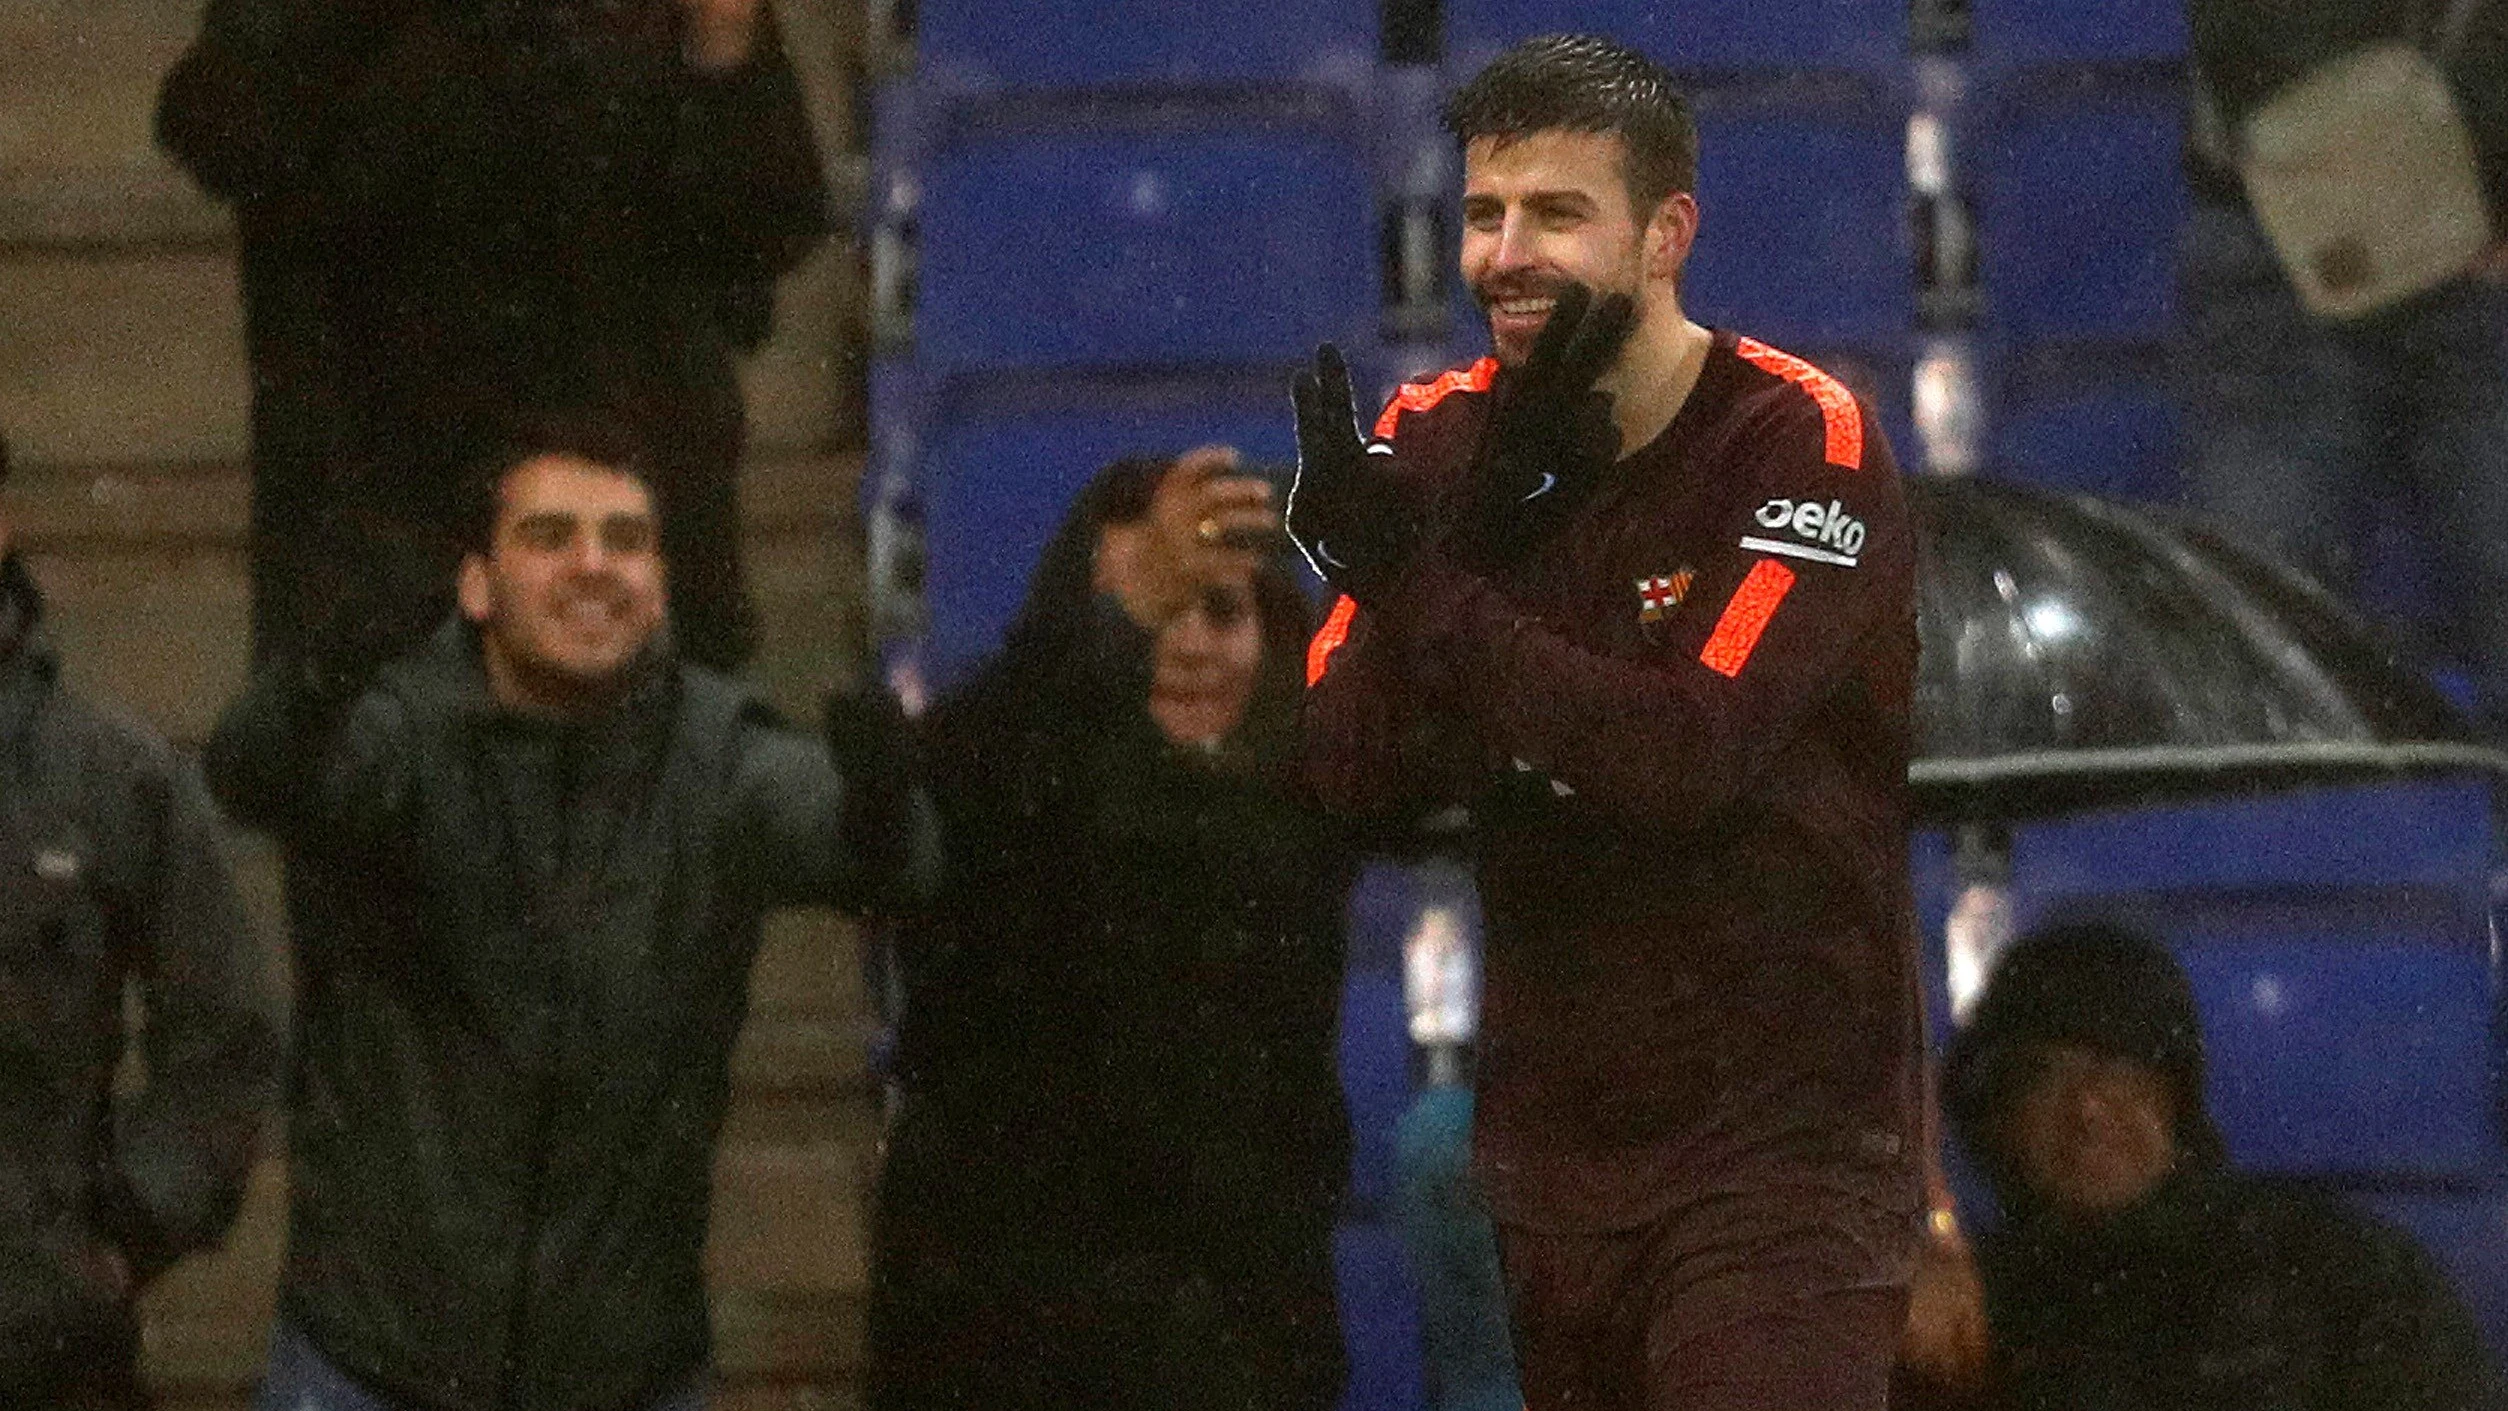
[530,862]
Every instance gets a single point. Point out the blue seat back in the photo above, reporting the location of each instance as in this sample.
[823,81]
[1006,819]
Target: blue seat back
[1037,44]
[1097,247]
[998,472]
[2107,427]
[1803,219]
[2339,943]
[2079,201]
[1693,35]
[2011,33]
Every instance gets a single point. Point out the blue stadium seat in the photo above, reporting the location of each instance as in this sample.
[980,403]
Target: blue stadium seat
[1379,1319]
[1803,220]
[2079,199]
[997,465]
[1032,44]
[1693,35]
[1375,1045]
[2008,33]
[1138,236]
[2109,430]
[1379,1295]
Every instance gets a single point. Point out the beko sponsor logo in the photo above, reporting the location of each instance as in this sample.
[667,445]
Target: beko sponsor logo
[1828,534]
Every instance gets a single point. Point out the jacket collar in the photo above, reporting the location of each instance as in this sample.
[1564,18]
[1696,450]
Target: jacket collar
[449,674]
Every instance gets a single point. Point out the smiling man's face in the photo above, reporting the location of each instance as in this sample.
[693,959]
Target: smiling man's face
[569,591]
[1539,212]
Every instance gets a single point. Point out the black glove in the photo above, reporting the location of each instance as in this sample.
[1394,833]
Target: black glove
[360,627]
[871,740]
[875,749]
[1550,436]
[1347,513]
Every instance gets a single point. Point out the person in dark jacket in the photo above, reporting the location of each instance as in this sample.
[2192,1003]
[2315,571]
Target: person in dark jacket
[1112,1178]
[2133,1270]
[531,859]
[112,874]
[1642,594]
[452,208]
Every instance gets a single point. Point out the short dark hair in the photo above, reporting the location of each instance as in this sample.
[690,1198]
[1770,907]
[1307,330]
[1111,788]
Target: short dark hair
[602,436]
[1579,83]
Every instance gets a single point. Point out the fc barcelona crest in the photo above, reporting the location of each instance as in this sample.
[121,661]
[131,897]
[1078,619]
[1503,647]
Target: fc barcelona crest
[1660,594]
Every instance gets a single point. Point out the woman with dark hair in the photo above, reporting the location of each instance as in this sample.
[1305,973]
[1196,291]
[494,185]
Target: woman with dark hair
[1112,1180]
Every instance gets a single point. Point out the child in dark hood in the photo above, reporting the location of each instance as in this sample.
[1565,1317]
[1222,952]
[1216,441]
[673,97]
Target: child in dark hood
[2133,1268]
[1112,1180]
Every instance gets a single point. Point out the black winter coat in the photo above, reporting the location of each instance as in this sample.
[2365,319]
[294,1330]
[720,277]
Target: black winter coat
[2227,1293]
[112,871]
[1118,1041]
[522,957]
[1131,984]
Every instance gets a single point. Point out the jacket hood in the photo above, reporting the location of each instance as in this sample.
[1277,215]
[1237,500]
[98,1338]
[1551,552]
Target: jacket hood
[2096,985]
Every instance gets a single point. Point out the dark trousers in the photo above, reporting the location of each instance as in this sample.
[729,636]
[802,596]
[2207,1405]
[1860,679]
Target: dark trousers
[997,1287]
[2299,429]
[1777,1290]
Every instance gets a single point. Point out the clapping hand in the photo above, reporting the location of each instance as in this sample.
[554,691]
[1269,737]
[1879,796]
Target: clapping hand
[1550,436]
[1347,514]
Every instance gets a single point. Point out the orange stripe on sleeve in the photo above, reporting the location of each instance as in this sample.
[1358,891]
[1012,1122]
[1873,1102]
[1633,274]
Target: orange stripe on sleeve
[1839,416]
[1736,636]
[1335,631]
[1420,396]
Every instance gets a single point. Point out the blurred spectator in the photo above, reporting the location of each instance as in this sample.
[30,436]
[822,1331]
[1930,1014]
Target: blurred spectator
[112,872]
[451,207]
[1467,1356]
[2359,357]
[1453,1247]
[530,862]
[1111,1181]
[2132,1268]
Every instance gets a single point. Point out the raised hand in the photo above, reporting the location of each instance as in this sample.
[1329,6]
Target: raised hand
[1347,514]
[1550,437]
[1205,529]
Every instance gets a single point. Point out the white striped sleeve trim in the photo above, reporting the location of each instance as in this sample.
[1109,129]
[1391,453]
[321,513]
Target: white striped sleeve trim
[1798,551]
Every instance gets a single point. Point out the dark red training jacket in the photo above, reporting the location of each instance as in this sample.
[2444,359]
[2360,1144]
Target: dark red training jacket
[1684,725]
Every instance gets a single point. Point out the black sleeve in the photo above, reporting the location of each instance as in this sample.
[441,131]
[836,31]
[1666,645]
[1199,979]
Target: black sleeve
[745,182]
[2480,72]
[252,102]
[1058,707]
[313,768]
[806,833]
[183,1141]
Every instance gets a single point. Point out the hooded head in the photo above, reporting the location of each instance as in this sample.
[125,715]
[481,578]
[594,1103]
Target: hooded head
[2077,1085]
[1063,589]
